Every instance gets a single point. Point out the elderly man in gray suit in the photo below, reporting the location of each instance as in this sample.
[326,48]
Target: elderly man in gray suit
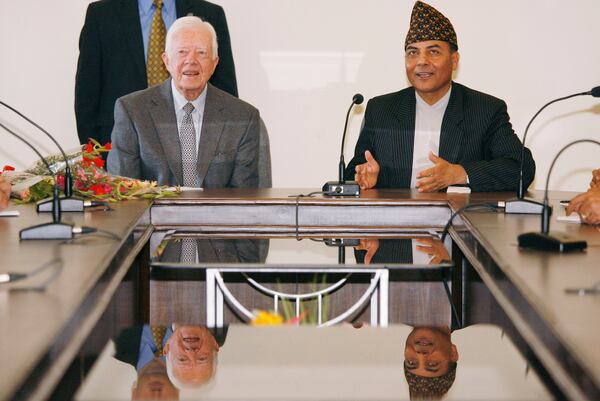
[186,131]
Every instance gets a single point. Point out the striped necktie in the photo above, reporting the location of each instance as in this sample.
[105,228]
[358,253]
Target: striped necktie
[158,333]
[189,250]
[156,71]
[187,138]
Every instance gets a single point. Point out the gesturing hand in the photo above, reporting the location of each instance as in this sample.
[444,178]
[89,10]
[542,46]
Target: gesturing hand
[587,206]
[367,173]
[595,183]
[441,175]
[369,245]
[434,248]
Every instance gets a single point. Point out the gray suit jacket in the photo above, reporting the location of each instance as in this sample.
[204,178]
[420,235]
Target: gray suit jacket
[145,139]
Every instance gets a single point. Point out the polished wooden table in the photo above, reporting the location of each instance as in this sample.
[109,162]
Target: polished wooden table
[41,331]
[46,318]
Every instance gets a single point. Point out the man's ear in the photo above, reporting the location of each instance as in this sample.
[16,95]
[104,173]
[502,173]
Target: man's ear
[454,354]
[165,59]
[455,58]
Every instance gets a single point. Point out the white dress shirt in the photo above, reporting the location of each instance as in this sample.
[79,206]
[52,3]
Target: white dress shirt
[428,128]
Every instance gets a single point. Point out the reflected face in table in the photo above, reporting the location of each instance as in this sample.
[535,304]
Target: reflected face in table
[153,383]
[429,351]
[191,356]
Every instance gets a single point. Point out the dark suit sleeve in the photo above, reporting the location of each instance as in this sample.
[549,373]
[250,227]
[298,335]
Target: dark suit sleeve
[245,172]
[88,79]
[363,144]
[124,158]
[127,345]
[224,75]
[499,170]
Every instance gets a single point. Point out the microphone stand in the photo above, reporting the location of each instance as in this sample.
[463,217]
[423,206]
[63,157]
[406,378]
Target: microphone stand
[521,204]
[56,229]
[547,240]
[341,244]
[343,187]
[69,203]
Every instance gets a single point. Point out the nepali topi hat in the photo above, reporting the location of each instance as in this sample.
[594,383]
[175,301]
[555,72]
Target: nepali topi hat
[430,388]
[427,23]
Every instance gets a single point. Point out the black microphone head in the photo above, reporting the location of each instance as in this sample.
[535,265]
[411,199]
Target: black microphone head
[358,98]
[595,92]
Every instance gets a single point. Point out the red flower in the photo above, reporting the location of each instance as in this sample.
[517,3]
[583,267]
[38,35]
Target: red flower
[99,189]
[8,168]
[80,186]
[87,162]
[60,180]
[108,146]
[98,162]
[89,148]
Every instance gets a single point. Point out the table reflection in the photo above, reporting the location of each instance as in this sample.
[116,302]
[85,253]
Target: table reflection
[338,363]
[153,383]
[169,358]
[423,250]
[190,250]
[381,285]
[430,361]
[420,250]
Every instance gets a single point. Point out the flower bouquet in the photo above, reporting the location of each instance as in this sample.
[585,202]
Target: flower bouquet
[90,179]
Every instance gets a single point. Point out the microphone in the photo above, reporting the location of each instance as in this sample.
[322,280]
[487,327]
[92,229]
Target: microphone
[342,243]
[56,229]
[69,203]
[520,204]
[342,187]
[595,92]
[547,240]
[11,277]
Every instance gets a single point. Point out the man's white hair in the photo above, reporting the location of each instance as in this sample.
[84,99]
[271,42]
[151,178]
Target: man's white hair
[191,22]
[180,384]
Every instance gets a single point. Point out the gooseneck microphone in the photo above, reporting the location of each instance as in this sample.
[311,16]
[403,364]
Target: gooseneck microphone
[545,240]
[356,99]
[343,187]
[69,203]
[56,229]
[520,204]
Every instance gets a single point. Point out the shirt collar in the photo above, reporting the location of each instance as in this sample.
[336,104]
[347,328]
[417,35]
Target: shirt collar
[181,101]
[145,6]
[440,104]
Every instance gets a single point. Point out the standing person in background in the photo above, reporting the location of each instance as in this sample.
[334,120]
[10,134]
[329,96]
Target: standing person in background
[120,50]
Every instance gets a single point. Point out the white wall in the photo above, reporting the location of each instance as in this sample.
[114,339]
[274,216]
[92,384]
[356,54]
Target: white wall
[300,62]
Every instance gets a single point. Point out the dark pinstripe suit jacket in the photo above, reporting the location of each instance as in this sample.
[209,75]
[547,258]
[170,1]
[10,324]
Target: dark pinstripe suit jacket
[476,133]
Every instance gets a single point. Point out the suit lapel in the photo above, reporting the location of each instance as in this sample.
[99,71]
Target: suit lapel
[452,133]
[132,33]
[212,127]
[182,8]
[162,113]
